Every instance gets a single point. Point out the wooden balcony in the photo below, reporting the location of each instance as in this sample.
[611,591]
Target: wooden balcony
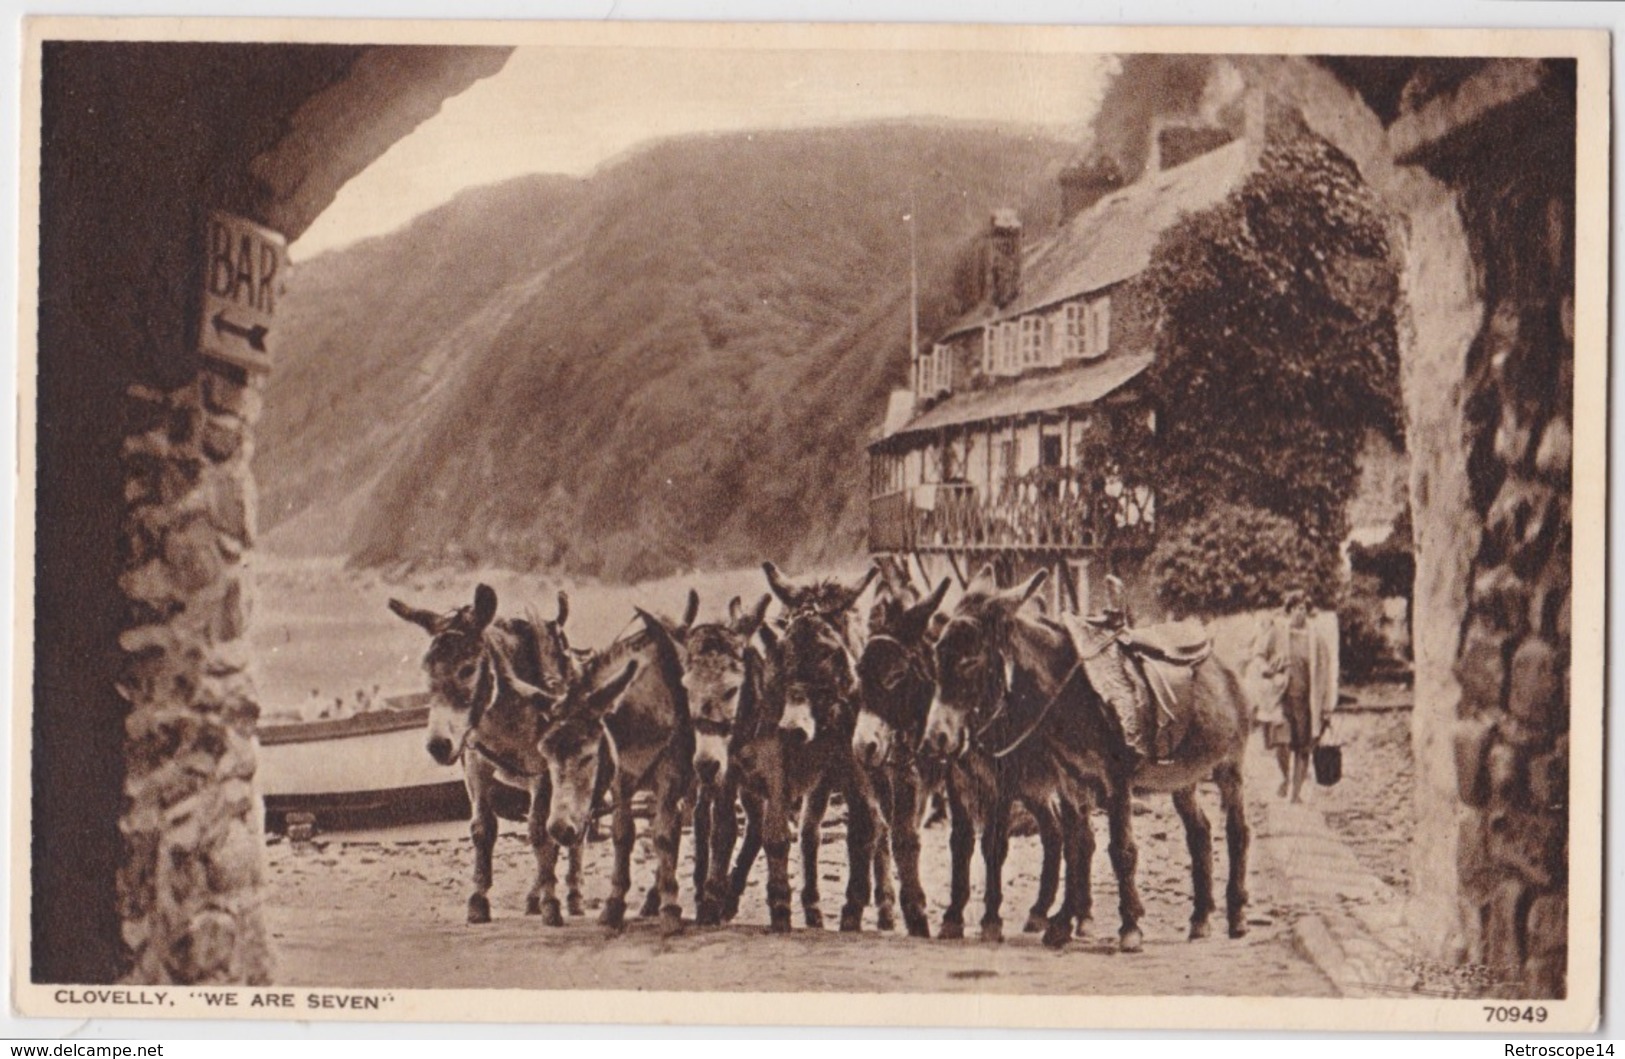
[955,518]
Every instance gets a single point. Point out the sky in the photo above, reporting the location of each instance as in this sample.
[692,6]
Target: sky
[569,110]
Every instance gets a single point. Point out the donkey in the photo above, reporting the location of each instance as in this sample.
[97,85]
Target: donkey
[722,673]
[493,685]
[634,726]
[897,675]
[814,659]
[1013,683]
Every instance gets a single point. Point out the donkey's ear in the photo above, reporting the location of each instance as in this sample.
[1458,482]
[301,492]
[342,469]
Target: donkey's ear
[986,582]
[564,609]
[939,621]
[770,640]
[425,619]
[1015,597]
[604,698]
[783,589]
[746,622]
[915,620]
[735,609]
[850,594]
[691,610]
[544,700]
[666,647]
[485,605]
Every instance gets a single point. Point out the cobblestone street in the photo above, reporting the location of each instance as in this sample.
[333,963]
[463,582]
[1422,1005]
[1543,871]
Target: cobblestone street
[386,909]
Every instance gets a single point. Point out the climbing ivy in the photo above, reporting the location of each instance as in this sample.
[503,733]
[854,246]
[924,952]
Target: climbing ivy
[1276,352]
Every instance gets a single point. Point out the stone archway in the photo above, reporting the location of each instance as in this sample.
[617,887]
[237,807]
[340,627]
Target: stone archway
[146,856]
[1477,159]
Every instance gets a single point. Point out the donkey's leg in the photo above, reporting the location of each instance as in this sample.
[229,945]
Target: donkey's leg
[1081,889]
[703,799]
[905,844]
[860,848]
[755,813]
[482,829]
[775,812]
[1199,840]
[572,878]
[1237,839]
[713,889]
[671,784]
[1049,873]
[543,899]
[961,844]
[622,833]
[813,807]
[995,846]
[1069,841]
[1125,862]
[884,796]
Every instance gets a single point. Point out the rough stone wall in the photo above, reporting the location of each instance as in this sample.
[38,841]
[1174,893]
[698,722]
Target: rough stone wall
[189,884]
[1517,200]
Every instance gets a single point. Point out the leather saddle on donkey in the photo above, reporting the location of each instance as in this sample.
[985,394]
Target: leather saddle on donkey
[1143,675]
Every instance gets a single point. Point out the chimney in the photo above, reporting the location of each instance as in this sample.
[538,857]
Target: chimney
[1087,182]
[1004,257]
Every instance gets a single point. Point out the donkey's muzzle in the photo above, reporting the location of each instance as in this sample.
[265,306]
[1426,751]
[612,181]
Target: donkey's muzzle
[442,750]
[708,769]
[563,834]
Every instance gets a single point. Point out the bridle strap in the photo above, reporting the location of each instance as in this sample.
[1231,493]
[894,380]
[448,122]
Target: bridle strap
[1038,721]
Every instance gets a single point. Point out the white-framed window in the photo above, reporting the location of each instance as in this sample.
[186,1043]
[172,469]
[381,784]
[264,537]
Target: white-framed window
[1097,329]
[1032,340]
[940,363]
[1070,328]
[1009,348]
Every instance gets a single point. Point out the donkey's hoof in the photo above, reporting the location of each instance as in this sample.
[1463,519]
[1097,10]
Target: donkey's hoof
[1199,929]
[651,905]
[1238,928]
[992,931]
[813,917]
[730,909]
[885,919]
[551,914]
[951,930]
[1131,940]
[1036,923]
[779,922]
[918,925]
[479,909]
[851,920]
[708,913]
[574,905]
[533,904]
[671,922]
[1057,932]
[614,914]
[1086,926]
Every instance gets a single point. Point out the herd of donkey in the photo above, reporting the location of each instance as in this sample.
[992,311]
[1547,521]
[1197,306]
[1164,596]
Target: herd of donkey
[991,703]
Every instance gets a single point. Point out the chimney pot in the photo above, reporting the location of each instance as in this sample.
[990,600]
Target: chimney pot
[1004,257]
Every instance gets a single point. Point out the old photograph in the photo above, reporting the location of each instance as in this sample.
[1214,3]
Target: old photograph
[811,524]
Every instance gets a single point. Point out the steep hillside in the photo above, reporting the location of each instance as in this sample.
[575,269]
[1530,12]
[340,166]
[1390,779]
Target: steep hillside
[675,363]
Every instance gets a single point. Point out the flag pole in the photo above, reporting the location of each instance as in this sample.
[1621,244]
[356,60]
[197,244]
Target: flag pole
[913,284]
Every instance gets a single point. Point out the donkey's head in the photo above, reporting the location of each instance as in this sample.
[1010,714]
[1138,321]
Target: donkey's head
[471,670]
[815,648]
[896,679]
[974,663]
[571,748]
[721,673]
[462,682]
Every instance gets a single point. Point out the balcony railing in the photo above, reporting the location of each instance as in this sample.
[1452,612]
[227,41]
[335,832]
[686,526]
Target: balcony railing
[954,517]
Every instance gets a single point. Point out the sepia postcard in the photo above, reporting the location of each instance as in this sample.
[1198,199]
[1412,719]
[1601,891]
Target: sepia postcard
[811,524]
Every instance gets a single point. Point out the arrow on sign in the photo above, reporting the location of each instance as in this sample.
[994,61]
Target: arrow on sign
[254,336]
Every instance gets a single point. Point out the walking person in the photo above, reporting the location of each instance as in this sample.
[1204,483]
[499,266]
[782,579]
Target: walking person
[1296,661]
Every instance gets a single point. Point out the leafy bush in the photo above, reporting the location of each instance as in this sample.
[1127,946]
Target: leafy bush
[1238,558]
[1277,350]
